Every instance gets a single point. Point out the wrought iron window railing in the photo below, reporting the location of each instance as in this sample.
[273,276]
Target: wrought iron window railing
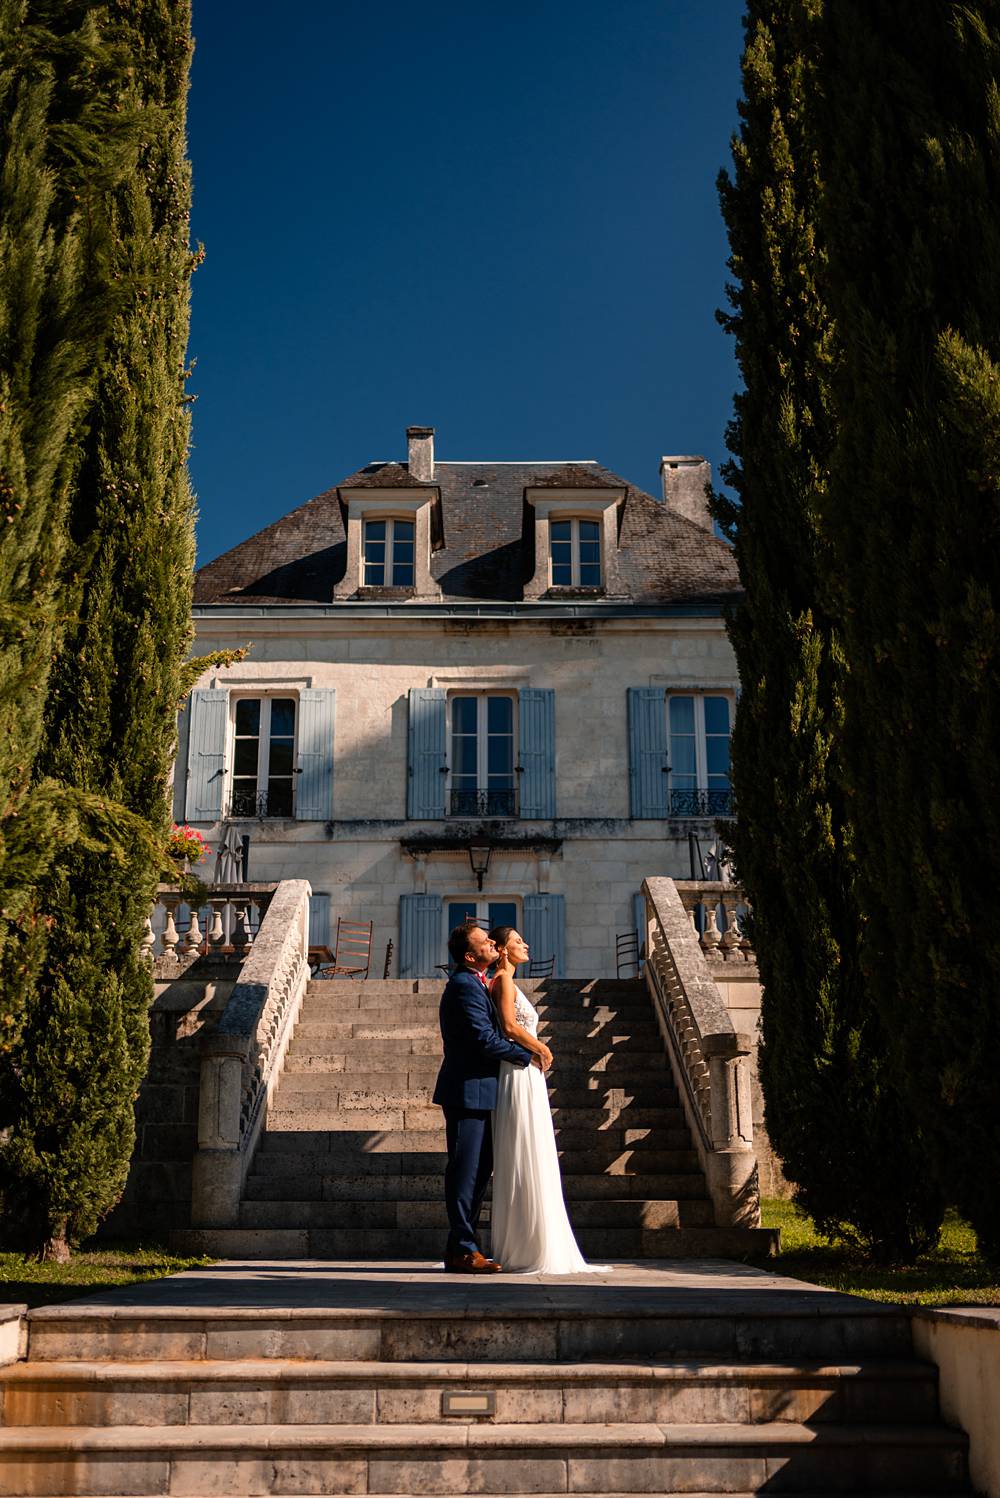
[700,803]
[274,802]
[483,803]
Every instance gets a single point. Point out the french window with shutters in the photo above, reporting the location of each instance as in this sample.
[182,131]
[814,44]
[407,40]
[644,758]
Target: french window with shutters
[425,921]
[255,755]
[488,753]
[679,753]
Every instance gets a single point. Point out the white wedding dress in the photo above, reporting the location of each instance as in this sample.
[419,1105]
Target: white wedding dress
[530,1230]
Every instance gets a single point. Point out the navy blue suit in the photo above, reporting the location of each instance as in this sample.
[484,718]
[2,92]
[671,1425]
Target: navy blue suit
[474,1046]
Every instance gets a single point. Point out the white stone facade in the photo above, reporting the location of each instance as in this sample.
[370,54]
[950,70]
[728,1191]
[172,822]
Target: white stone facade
[594,854]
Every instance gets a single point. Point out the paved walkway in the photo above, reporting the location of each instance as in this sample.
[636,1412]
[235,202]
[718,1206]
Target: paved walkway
[693,1288]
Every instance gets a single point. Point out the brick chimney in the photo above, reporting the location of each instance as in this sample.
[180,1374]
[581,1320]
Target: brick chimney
[420,453]
[684,483]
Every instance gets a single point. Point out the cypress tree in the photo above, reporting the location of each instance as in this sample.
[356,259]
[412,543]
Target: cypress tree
[57,134]
[832,1112]
[110,714]
[912,125]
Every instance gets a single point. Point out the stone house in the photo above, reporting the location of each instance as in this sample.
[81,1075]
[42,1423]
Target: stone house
[493,688]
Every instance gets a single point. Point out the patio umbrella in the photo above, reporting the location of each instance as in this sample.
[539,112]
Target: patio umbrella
[228,870]
[229,858]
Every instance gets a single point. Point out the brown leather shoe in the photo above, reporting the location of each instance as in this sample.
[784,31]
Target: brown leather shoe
[474,1263]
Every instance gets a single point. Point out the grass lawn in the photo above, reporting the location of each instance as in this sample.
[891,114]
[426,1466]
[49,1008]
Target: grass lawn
[25,1280]
[953,1275]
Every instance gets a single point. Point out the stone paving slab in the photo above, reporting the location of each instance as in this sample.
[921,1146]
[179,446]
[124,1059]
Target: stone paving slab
[689,1288]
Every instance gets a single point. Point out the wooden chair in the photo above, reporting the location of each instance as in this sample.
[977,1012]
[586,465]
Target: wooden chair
[543,967]
[353,952]
[626,952]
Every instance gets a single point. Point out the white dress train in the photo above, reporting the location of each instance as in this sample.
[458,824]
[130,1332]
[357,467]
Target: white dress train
[531,1233]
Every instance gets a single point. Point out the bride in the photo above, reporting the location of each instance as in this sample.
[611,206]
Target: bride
[530,1229]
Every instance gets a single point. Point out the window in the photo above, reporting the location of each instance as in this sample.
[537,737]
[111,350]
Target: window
[482,755]
[389,553]
[698,729]
[575,547]
[263,754]
[489,913]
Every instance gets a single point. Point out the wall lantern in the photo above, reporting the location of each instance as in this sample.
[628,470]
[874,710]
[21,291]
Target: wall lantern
[479,858]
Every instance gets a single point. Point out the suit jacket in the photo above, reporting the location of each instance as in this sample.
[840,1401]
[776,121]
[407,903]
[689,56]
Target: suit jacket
[474,1046]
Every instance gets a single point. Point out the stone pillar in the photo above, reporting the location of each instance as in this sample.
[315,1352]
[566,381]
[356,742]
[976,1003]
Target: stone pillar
[217,1167]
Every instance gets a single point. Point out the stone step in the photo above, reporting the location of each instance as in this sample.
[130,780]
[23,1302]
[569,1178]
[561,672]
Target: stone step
[262,1391]
[372,1009]
[460,1320]
[600,1245]
[388,1055]
[512,1458]
[286,1135]
[341,1030]
[284,1185]
[598,1164]
[336,1091]
[429,1212]
[586,1125]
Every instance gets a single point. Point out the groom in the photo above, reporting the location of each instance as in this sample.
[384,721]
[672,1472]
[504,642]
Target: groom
[466,1089]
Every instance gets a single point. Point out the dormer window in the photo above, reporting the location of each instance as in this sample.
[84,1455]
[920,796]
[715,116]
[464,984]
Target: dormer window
[575,550]
[576,541]
[389,553]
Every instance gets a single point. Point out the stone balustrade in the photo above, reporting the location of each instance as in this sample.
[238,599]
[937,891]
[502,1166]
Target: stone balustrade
[718,914]
[223,926]
[243,1057]
[710,1060]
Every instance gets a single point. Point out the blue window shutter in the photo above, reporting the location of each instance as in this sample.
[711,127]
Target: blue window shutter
[421,942]
[425,799]
[206,755]
[647,744]
[545,929]
[319,920]
[537,709]
[314,794]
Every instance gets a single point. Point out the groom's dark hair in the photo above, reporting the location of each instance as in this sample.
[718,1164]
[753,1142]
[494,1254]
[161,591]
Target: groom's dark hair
[458,941]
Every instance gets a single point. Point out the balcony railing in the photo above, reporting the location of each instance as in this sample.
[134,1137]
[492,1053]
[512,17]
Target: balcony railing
[483,803]
[276,801]
[701,803]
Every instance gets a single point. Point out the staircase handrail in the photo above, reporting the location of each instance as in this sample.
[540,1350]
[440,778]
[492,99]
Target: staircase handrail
[709,1058]
[243,1057]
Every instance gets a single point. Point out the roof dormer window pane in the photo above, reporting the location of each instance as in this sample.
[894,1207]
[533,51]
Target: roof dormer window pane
[590,553]
[575,549]
[375,553]
[561,545]
[402,553]
[389,553]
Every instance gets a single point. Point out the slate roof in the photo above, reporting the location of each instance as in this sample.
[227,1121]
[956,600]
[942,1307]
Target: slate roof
[488,551]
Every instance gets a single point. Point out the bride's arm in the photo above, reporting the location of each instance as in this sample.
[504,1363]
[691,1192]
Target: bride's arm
[502,994]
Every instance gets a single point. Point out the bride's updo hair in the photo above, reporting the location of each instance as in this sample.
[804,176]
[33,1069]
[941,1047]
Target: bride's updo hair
[501,935]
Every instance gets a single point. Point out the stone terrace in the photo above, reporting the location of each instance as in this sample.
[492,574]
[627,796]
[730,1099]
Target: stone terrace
[319,1378]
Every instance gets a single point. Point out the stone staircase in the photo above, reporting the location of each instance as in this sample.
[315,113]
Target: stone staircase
[303,1379]
[351,1160]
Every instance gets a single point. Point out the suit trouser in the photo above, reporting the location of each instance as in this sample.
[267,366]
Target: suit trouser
[469,1133]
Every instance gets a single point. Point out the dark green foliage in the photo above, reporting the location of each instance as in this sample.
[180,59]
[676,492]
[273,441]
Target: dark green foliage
[912,125]
[46,365]
[832,1112]
[116,681]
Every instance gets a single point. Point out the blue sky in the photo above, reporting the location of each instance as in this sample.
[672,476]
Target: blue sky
[497,219]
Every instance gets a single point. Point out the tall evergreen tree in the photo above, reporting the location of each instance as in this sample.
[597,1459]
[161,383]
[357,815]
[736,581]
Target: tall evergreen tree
[58,139]
[832,1112]
[117,680]
[912,162]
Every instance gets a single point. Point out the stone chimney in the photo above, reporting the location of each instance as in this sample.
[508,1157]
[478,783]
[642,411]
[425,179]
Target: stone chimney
[420,453]
[684,483]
